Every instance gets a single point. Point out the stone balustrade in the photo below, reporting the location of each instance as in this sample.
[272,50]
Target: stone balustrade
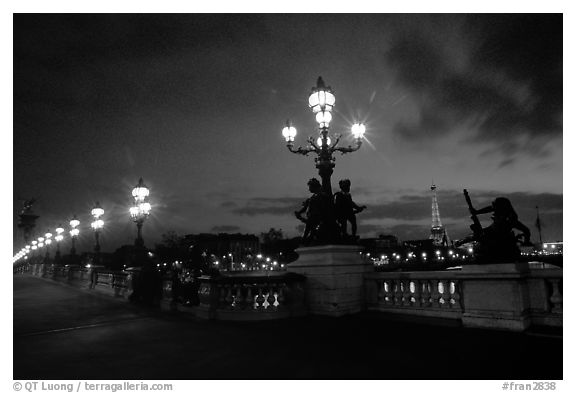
[509,297]
[275,295]
[503,296]
[436,294]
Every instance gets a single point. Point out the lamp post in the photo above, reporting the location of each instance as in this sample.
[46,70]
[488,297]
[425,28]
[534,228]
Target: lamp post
[97,226]
[74,231]
[59,237]
[48,241]
[322,102]
[140,210]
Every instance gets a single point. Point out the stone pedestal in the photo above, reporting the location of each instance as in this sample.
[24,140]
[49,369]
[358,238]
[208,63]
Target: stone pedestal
[334,274]
[496,296]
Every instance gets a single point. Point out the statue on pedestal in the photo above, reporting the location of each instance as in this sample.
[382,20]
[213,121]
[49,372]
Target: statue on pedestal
[497,243]
[346,209]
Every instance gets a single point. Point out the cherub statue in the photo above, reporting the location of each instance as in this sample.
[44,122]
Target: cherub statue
[314,207]
[346,209]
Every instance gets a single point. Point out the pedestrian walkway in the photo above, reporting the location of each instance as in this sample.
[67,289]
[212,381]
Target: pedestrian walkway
[66,333]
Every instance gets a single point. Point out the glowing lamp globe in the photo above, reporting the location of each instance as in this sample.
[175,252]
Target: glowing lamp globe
[97,211]
[324,118]
[321,98]
[140,192]
[134,211]
[74,232]
[358,130]
[74,222]
[289,133]
[145,208]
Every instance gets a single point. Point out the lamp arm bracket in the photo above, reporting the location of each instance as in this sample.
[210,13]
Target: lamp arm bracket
[300,150]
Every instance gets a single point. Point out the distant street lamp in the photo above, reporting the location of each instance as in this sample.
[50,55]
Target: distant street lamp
[97,226]
[74,233]
[48,241]
[322,101]
[59,237]
[140,210]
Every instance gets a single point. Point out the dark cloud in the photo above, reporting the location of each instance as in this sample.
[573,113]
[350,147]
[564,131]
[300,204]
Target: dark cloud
[510,83]
[271,206]
[225,228]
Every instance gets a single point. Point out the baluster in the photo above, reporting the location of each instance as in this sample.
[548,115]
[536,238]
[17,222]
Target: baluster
[445,294]
[406,292]
[240,302]
[455,294]
[397,292]
[415,289]
[249,298]
[381,285]
[271,299]
[556,297]
[388,287]
[435,296]
[260,298]
[222,299]
[229,299]
[280,298]
[425,293]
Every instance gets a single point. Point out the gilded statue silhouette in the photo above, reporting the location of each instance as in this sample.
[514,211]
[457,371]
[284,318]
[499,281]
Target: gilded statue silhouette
[498,242]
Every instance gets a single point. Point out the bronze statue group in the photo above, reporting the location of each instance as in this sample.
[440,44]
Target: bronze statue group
[322,209]
[326,219]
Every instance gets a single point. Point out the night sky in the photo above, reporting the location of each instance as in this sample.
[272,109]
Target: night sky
[195,104]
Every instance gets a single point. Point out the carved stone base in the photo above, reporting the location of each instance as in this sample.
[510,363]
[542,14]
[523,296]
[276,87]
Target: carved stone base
[334,278]
[496,297]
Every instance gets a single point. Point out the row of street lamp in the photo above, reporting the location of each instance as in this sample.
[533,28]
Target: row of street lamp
[138,212]
[321,101]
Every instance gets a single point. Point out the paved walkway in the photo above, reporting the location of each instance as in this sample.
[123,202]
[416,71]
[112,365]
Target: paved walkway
[66,333]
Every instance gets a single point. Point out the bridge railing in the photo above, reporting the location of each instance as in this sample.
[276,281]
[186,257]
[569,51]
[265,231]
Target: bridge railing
[251,297]
[514,299]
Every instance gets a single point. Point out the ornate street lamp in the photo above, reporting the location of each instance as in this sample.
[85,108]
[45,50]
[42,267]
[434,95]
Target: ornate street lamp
[140,210]
[97,226]
[74,232]
[59,237]
[48,241]
[322,102]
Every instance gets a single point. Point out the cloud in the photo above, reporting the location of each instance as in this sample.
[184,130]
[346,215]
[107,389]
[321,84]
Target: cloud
[269,206]
[226,228]
[504,82]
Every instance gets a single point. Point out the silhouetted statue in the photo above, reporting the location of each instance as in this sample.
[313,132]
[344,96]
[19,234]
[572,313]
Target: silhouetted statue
[497,243]
[346,209]
[316,209]
[27,206]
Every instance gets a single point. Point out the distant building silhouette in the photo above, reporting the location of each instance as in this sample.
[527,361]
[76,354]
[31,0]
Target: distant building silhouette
[438,233]
[234,247]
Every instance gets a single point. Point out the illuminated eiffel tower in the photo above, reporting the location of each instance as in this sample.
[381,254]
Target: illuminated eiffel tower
[438,234]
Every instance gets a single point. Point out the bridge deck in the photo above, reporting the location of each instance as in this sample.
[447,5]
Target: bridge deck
[67,333]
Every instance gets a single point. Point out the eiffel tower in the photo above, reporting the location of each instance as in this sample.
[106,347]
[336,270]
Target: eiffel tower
[438,234]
